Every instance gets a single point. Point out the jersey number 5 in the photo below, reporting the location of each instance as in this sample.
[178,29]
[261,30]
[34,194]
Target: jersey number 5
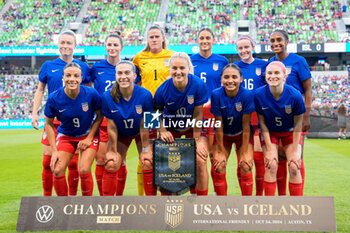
[278,121]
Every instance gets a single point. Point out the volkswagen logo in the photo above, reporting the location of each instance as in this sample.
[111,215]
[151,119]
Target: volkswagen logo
[44,214]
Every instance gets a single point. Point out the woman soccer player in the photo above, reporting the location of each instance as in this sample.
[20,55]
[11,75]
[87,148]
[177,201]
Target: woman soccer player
[51,75]
[183,97]
[123,107]
[253,70]
[75,106]
[208,67]
[103,76]
[232,104]
[152,65]
[299,76]
[280,109]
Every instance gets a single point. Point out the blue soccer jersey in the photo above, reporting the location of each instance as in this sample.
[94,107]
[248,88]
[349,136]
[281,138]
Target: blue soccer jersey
[127,115]
[297,70]
[76,115]
[103,76]
[179,105]
[51,73]
[279,114]
[253,74]
[232,109]
[209,70]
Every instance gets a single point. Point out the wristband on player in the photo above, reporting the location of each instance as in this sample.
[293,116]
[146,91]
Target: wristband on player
[145,149]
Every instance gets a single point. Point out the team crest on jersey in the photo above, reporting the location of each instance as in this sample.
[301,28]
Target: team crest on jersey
[138,109]
[288,70]
[258,71]
[215,66]
[85,106]
[288,109]
[166,62]
[239,106]
[190,99]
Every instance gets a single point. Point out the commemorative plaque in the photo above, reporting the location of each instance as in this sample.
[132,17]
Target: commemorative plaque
[174,165]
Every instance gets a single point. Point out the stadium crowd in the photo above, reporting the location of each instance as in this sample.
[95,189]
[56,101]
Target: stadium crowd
[17,94]
[35,22]
[309,22]
[327,92]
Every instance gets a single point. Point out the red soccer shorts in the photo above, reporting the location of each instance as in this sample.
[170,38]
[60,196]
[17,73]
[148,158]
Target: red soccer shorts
[285,137]
[103,131]
[70,144]
[44,139]
[127,140]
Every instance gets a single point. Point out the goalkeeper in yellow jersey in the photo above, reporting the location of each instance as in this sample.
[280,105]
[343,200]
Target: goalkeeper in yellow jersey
[153,69]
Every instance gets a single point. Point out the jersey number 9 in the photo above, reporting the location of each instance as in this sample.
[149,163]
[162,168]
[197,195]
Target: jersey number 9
[76,122]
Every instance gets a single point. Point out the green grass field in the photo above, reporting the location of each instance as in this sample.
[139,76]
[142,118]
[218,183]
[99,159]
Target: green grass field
[327,163]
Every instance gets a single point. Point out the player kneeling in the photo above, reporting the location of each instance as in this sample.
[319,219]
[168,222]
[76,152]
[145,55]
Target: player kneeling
[280,109]
[123,106]
[232,104]
[75,106]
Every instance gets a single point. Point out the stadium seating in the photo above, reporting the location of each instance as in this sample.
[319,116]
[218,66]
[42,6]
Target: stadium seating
[186,18]
[32,23]
[305,21]
[104,18]
[328,89]
[17,95]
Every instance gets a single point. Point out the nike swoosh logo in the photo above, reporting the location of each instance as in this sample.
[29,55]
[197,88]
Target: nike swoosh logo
[62,110]
[171,103]
[113,111]
[223,107]
[99,73]
[264,108]
[144,63]
[53,71]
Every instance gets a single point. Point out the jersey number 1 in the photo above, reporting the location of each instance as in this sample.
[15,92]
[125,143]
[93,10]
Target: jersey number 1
[155,74]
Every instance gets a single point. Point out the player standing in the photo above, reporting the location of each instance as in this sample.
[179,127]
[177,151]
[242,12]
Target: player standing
[123,107]
[51,75]
[75,106]
[152,65]
[232,105]
[182,98]
[208,67]
[253,70]
[299,76]
[280,109]
[103,76]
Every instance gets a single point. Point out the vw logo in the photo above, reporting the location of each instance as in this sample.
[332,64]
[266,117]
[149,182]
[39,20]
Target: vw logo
[44,214]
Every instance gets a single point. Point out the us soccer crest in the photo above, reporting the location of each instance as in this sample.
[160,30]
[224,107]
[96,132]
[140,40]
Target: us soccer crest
[288,70]
[138,109]
[85,106]
[239,106]
[174,161]
[190,99]
[166,62]
[288,109]
[174,213]
[215,66]
[258,71]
